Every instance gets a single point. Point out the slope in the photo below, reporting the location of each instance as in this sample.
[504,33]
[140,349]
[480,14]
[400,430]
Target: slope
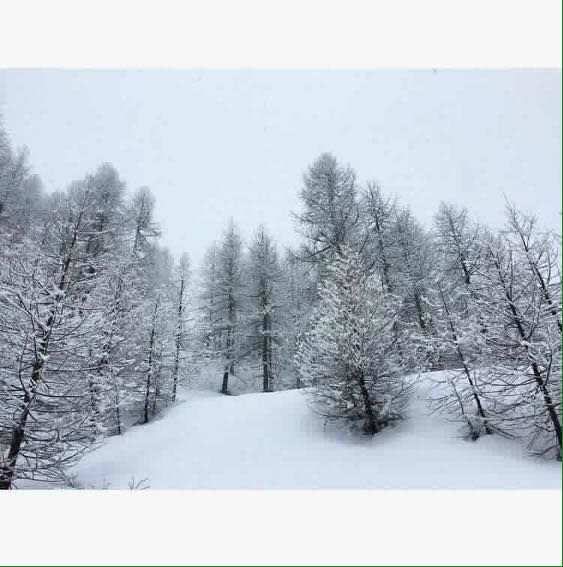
[274,441]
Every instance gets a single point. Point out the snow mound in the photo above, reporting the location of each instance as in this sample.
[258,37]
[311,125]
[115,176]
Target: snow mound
[275,441]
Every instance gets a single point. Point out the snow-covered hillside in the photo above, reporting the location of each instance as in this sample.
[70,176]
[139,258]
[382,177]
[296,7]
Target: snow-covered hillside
[275,441]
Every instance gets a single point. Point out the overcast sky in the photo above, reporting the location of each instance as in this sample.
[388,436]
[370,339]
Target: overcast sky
[215,144]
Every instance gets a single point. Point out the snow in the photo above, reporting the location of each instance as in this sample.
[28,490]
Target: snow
[274,441]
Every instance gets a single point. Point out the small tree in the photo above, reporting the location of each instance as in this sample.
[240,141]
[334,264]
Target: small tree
[349,356]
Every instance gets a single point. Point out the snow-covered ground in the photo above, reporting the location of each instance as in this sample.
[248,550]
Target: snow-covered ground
[274,441]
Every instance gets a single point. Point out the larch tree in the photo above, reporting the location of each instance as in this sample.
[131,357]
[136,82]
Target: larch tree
[413,267]
[414,264]
[264,310]
[539,252]
[378,214]
[182,277]
[22,201]
[51,329]
[330,218]
[103,248]
[523,341]
[348,357]
[80,276]
[208,321]
[457,333]
[458,323]
[159,326]
[459,241]
[299,295]
[221,304]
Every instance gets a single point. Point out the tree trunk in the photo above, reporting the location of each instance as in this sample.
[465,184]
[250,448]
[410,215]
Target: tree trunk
[7,470]
[225,384]
[265,367]
[150,365]
[370,425]
[230,365]
[419,312]
[117,402]
[266,354]
[178,339]
[384,260]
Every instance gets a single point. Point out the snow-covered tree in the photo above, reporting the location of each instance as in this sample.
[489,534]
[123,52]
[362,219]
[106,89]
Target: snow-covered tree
[157,334]
[221,304]
[413,263]
[458,239]
[21,196]
[458,322]
[378,241]
[208,321]
[299,295]
[413,269]
[180,347]
[264,314]
[539,252]
[50,328]
[141,215]
[522,347]
[330,216]
[458,335]
[349,357]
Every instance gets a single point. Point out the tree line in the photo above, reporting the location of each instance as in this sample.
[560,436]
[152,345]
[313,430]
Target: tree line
[100,325]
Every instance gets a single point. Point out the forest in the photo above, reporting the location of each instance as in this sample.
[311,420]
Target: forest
[101,327]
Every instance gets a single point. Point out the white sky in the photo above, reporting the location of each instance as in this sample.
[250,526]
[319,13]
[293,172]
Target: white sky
[215,144]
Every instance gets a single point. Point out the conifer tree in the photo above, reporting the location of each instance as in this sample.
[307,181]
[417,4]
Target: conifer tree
[349,356]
